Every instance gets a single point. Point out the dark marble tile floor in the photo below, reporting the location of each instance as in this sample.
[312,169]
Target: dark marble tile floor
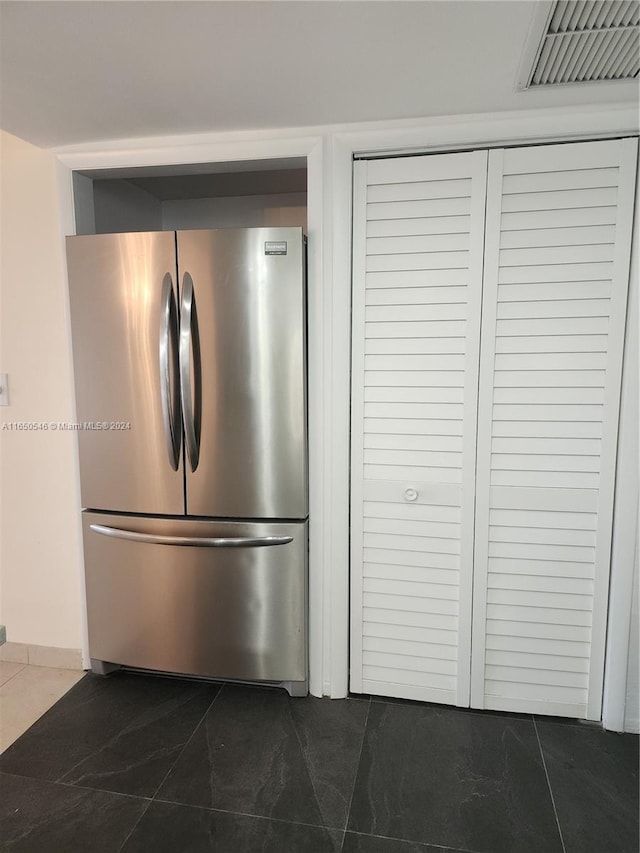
[139,763]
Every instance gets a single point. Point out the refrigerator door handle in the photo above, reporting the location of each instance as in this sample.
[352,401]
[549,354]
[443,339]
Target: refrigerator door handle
[168,353]
[196,541]
[191,397]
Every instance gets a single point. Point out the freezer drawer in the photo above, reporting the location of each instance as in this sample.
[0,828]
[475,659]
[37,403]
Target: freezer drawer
[197,598]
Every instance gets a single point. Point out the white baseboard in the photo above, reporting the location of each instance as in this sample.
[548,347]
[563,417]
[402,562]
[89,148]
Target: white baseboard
[632,725]
[41,655]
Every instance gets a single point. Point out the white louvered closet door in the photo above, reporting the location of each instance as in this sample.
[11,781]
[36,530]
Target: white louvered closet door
[555,285]
[418,241]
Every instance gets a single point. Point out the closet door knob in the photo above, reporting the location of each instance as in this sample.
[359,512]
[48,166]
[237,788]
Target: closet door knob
[410,495]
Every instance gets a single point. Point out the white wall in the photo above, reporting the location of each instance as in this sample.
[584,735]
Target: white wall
[85,214]
[120,206]
[283,209]
[40,596]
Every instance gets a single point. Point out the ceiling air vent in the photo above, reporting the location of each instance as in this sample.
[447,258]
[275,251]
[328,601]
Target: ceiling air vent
[583,41]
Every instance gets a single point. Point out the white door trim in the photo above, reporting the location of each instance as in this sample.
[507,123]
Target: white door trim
[624,557]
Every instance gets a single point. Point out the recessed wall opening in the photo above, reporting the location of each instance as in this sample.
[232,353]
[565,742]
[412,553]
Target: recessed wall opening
[242,194]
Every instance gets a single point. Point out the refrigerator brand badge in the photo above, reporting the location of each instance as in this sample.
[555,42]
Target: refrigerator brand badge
[275,247]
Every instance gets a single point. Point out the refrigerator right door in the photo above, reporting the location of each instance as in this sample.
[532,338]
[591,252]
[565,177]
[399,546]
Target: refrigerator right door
[242,347]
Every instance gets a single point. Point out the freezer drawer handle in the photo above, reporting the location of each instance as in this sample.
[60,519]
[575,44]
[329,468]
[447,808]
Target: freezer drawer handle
[193,541]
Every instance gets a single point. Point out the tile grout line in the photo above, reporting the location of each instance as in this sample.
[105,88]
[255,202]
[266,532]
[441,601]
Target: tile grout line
[247,814]
[164,778]
[11,677]
[546,773]
[155,799]
[41,713]
[320,825]
[355,778]
[74,786]
[188,741]
[82,760]
[304,755]
[133,828]
[89,791]
[373,835]
[426,844]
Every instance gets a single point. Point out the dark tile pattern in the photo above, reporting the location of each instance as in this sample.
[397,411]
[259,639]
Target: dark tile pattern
[456,779]
[37,816]
[121,733]
[169,828]
[137,763]
[594,779]
[260,752]
[356,843]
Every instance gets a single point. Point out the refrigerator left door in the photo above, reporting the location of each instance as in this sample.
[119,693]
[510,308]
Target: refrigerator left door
[122,291]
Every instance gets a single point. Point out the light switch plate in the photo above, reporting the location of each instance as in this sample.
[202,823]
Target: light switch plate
[4,389]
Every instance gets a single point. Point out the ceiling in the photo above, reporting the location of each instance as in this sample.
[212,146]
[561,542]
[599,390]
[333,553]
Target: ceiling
[87,70]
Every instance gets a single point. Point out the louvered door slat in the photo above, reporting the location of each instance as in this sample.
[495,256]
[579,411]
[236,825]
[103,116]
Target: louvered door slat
[555,282]
[407,244]
[567,236]
[561,218]
[426,226]
[565,180]
[419,227]
[460,188]
[416,296]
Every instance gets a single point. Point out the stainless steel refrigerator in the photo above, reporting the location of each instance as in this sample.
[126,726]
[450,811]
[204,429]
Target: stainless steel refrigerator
[190,374]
